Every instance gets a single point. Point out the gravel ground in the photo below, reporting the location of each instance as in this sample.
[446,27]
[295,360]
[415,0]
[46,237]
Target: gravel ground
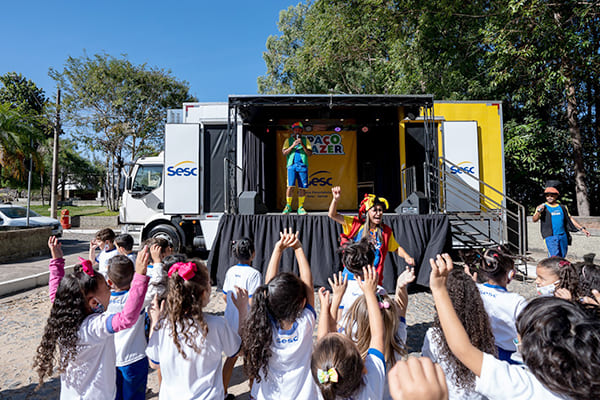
[23,316]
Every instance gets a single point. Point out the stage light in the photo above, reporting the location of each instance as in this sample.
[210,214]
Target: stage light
[308,128]
[337,129]
[365,129]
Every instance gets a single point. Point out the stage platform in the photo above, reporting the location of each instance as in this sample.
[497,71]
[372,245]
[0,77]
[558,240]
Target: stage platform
[422,236]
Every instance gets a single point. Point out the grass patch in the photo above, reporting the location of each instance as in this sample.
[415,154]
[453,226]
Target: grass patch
[96,211]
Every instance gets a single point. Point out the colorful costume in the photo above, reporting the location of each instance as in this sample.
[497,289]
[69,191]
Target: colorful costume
[297,162]
[555,224]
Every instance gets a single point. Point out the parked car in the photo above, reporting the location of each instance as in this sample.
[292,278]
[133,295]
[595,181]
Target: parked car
[17,216]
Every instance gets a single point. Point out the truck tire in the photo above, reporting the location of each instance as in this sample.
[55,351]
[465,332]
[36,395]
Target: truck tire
[168,233]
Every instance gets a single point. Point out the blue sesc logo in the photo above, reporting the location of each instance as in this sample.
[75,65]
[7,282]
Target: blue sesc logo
[183,169]
[320,178]
[461,168]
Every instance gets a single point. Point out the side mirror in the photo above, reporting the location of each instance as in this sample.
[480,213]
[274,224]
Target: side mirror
[128,183]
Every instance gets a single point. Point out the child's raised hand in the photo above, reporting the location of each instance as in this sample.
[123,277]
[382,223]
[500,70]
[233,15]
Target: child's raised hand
[240,298]
[417,379]
[55,247]
[368,283]
[563,293]
[288,239]
[406,277]
[155,310]
[141,261]
[338,284]
[440,268]
[94,244]
[156,253]
[472,275]
[324,297]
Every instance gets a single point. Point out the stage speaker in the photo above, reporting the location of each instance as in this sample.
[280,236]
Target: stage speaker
[249,203]
[415,203]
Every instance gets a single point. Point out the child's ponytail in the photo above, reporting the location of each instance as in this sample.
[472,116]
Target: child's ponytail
[257,334]
[243,249]
[336,367]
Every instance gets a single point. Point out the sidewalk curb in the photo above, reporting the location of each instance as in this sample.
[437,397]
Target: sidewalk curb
[26,283]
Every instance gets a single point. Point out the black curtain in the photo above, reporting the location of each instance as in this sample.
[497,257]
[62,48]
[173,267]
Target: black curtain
[253,164]
[422,236]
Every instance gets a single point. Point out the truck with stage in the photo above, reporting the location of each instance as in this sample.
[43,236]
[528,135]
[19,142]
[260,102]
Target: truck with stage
[424,156]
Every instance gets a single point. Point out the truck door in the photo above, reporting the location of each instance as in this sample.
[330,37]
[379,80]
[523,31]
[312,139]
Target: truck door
[184,161]
[146,195]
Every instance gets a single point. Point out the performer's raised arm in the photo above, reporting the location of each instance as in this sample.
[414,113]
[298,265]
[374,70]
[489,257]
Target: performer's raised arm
[336,191]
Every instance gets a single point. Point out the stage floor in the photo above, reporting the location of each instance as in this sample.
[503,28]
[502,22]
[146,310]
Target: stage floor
[422,236]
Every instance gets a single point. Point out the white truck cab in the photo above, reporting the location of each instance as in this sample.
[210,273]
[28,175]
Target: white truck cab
[179,194]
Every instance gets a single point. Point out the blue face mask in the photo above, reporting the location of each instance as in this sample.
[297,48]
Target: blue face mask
[98,308]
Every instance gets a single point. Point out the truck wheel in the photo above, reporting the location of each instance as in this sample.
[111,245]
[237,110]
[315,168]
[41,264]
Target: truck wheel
[169,234]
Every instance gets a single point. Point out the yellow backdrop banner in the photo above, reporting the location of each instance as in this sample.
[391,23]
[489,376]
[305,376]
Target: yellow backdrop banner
[333,163]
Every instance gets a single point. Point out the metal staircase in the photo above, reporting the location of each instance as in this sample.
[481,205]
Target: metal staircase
[478,218]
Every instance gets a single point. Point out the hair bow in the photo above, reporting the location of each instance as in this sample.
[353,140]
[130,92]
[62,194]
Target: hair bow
[382,303]
[564,263]
[86,266]
[185,270]
[330,375]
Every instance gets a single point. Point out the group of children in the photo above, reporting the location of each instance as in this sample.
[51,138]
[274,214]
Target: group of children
[485,342]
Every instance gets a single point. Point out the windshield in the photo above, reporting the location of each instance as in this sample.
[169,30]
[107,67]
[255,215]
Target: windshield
[17,212]
[147,178]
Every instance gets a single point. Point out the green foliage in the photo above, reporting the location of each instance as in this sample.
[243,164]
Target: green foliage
[118,109]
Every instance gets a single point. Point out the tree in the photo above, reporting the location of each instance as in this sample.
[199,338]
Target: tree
[542,57]
[118,109]
[23,124]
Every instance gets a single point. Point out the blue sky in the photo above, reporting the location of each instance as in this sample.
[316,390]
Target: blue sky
[216,46]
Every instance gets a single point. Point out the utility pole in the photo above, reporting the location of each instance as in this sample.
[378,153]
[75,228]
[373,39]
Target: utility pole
[54,181]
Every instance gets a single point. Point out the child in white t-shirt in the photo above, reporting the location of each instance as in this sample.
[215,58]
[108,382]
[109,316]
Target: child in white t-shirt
[244,276]
[337,366]
[558,340]
[281,319]
[104,240]
[469,307]
[124,244]
[130,344]
[82,330]
[502,306]
[185,343]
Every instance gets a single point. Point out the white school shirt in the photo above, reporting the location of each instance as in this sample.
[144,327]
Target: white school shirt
[374,379]
[245,277]
[503,308]
[431,350]
[130,343]
[353,292]
[501,380]
[200,374]
[92,374]
[288,372]
[103,258]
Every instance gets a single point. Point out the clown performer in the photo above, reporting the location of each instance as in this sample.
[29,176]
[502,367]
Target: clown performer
[369,217]
[297,149]
[555,223]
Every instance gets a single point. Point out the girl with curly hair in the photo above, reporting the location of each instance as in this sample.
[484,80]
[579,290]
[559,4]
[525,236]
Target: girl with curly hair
[468,305]
[558,339]
[338,368]
[277,335]
[187,344]
[81,330]
[502,306]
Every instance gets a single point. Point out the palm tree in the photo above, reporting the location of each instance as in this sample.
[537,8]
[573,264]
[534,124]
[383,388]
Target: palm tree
[16,131]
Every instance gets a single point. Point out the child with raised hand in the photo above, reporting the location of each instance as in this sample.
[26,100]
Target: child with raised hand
[558,340]
[554,273]
[417,379]
[277,335]
[130,344]
[336,364]
[185,343]
[105,241]
[470,309]
[82,331]
[241,275]
[501,305]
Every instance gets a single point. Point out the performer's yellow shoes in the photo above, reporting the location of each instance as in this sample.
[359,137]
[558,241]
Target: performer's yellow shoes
[301,211]
[287,209]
